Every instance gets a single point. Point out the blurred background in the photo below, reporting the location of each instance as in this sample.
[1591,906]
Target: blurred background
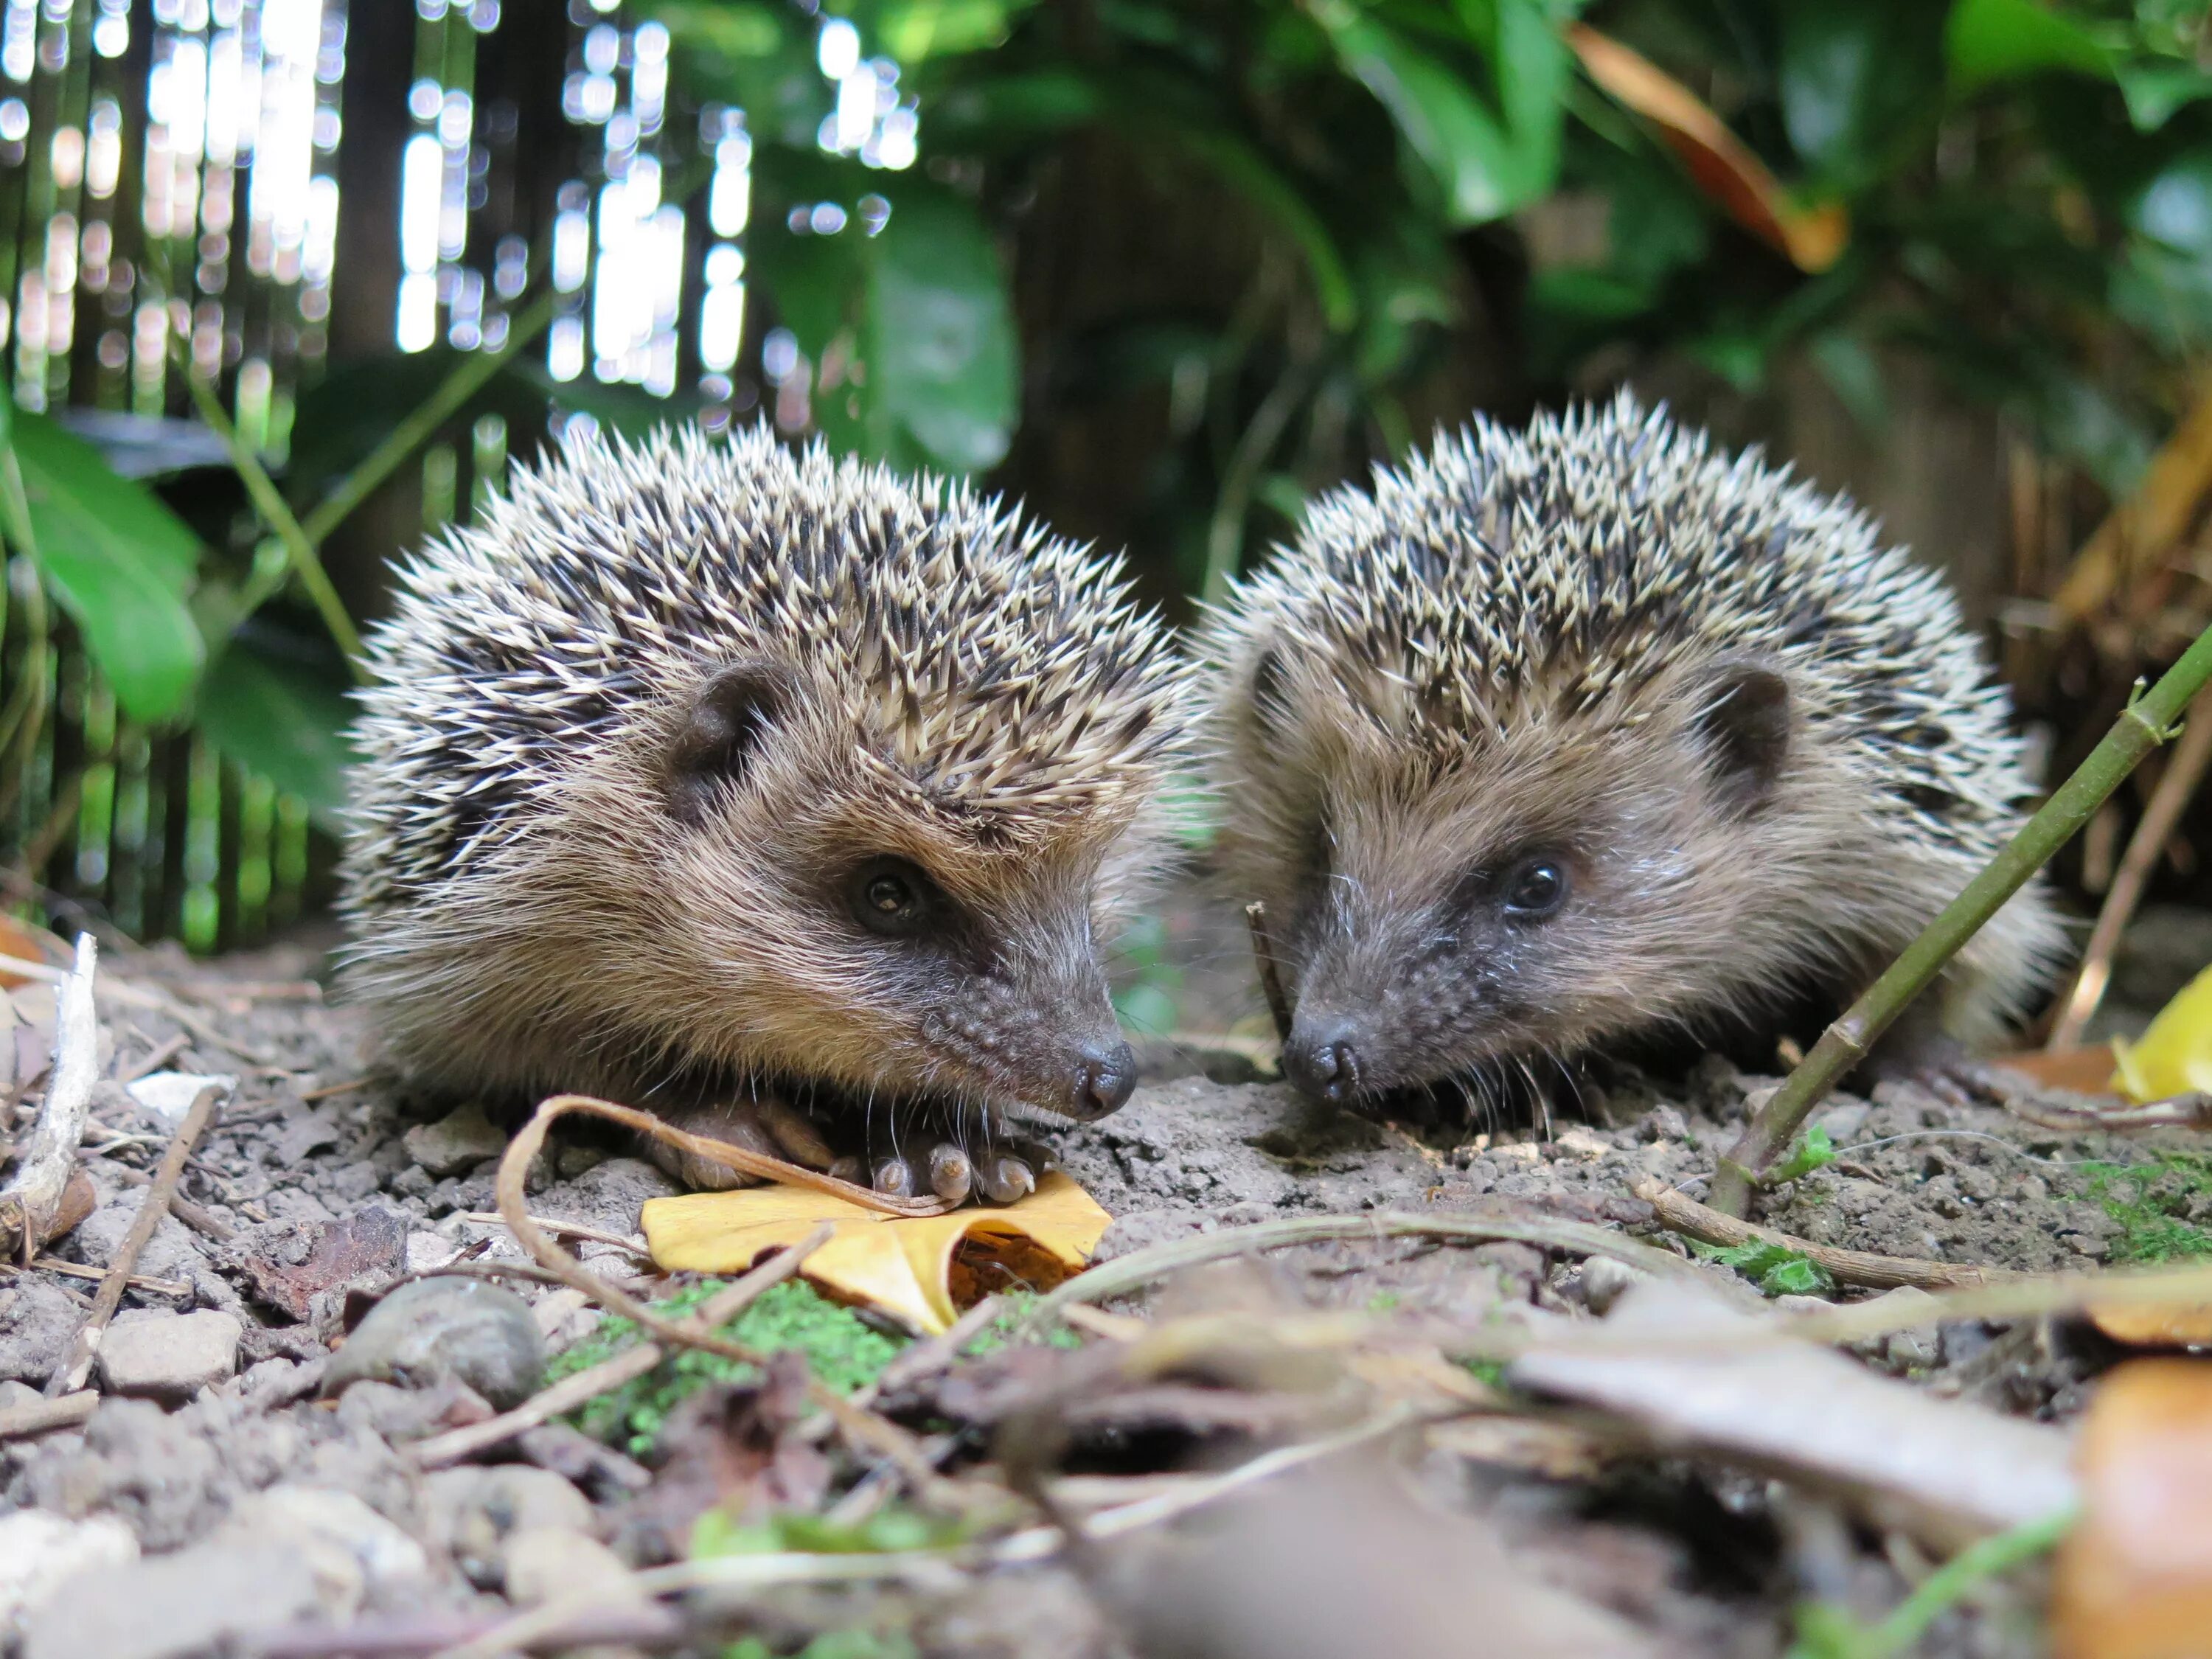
[286,283]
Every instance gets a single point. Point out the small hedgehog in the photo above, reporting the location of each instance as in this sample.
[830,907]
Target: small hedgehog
[743,785]
[1589,736]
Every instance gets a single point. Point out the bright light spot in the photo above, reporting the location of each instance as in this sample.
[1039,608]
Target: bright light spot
[454,119]
[418,312]
[779,355]
[729,203]
[597,98]
[14,121]
[650,42]
[422,171]
[856,108]
[897,146]
[602,48]
[111,36]
[68,149]
[564,351]
[827,219]
[424,99]
[572,249]
[838,48]
[725,264]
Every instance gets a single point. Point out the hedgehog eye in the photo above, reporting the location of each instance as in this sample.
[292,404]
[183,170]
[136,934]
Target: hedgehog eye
[1533,889]
[894,898]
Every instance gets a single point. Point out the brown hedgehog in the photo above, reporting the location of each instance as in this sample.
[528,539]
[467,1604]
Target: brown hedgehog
[1563,740]
[759,790]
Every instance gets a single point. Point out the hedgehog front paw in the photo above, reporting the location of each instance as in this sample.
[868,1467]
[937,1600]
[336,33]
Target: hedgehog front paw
[997,1175]
[767,1127]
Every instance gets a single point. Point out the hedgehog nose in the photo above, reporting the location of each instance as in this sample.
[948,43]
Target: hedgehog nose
[1105,1077]
[1322,1061]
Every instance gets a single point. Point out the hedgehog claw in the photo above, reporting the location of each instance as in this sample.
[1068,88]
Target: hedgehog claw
[951,1175]
[1004,1178]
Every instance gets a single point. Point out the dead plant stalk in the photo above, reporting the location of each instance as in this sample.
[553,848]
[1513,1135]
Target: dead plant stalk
[30,1202]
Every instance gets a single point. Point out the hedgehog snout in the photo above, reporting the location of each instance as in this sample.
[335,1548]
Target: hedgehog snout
[1322,1058]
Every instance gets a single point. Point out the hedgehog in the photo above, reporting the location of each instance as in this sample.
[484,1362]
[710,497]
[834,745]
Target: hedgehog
[1592,741]
[768,792]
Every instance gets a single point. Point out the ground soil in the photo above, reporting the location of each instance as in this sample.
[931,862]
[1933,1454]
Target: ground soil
[1696,1557]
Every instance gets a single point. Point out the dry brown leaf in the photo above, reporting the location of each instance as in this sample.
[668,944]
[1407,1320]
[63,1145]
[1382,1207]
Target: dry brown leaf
[2079,1071]
[2186,1326]
[2135,1576]
[1813,238]
[922,1269]
[28,944]
[2144,529]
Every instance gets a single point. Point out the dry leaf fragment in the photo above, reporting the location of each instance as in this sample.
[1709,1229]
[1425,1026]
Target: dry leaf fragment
[2175,1055]
[2086,1070]
[923,1270]
[2134,1576]
[1722,166]
[2177,1325]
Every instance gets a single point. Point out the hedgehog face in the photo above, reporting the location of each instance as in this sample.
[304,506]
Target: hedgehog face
[1440,909]
[857,932]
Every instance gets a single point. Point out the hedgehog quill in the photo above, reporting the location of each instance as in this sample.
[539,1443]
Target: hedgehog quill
[773,793]
[1561,741]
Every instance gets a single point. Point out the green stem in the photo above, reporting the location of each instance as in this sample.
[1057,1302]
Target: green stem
[303,558]
[469,377]
[1942,1588]
[2147,723]
[1225,537]
[25,713]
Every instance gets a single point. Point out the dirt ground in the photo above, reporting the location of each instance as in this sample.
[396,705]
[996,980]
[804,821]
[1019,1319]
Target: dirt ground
[307,1203]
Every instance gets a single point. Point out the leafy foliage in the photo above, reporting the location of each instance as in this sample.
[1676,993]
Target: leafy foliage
[1776,1270]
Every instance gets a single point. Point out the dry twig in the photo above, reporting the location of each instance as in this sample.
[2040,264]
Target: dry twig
[561,1229]
[441,1450]
[73,1370]
[1271,973]
[31,1201]
[1682,1214]
[2176,786]
[43,1415]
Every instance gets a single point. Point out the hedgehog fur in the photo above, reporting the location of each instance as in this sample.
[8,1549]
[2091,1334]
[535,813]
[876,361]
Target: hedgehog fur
[653,747]
[1590,730]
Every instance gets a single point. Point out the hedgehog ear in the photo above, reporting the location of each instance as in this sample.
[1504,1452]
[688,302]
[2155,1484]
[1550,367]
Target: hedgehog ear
[1744,725]
[1271,698]
[728,717]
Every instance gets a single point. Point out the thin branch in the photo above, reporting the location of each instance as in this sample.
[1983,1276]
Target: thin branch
[70,1373]
[2146,723]
[470,375]
[299,547]
[441,1450]
[1680,1213]
[1270,972]
[43,1415]
[2176,788]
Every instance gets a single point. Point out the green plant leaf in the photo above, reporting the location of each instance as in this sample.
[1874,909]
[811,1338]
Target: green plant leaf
[1858,80]
[2156,92]
[1484,167]
[1985,41]
[941,348]
[119,562]
[284,721]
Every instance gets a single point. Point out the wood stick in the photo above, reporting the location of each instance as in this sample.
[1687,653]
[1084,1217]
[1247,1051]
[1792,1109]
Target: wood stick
[31,1201]
[566,1230]
[1680,1213]
[43,1415]
[77,1366]
[155,1061]
[1271,975]
[47,1264]
[2176,787]
[726,1304]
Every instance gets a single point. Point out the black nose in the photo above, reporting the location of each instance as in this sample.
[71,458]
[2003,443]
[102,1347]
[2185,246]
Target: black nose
[1105,1077]
[1322,1061]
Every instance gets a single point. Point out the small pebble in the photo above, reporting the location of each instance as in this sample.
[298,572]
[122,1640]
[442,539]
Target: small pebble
[467,1330]
[457,1142]
[168,1355]
[1603,1281]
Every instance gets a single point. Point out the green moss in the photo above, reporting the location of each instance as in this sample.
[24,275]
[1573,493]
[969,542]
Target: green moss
[1005,1329]
[893,1530]
[1776,1271]
[833,1644]
[844,1351]
[2150,1201]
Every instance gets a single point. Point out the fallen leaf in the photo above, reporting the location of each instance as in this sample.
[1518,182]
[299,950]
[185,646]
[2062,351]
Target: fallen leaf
[1946,1471]
[27,944]
[287,1269]
[921,1269]
[2184,1325]
[2134,1577]
[2079,1071]
[2175,1055]
[1720,163]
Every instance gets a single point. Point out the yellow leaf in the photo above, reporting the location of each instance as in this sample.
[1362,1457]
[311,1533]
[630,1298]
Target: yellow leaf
[2175,1055]
[920,1269]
